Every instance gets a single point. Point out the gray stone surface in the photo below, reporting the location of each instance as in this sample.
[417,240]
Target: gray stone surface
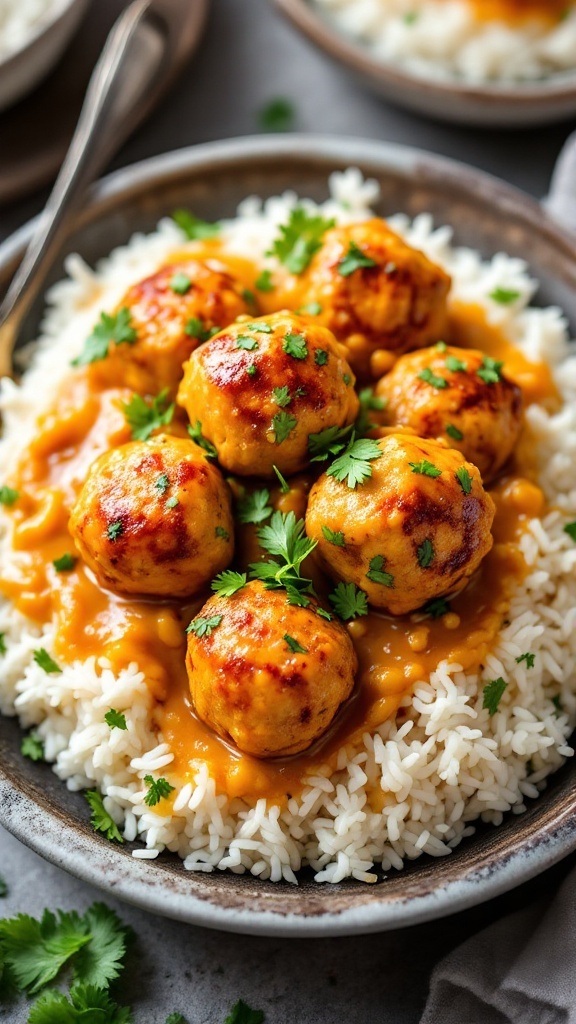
[249,56]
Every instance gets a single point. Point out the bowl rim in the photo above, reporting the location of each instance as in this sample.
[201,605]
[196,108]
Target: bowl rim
[91,858]
[38,32]
[321,32]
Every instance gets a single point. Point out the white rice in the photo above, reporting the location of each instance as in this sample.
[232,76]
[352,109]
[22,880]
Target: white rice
[443,39]
[20,20]
[449,763]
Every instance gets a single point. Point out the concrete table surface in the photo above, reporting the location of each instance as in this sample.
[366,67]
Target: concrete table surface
[249,56]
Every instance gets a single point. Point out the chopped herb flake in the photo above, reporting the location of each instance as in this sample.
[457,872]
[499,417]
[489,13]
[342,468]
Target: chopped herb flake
[162,483]
[65,563]
[254,508]
[293,645]
[425,468]
[8,495]
[195,328]
[355,259]
[299,239]
[101,820]
[464,479]
[433,379]
[203,627]
[115,530]
[43,659]
[455,365]
[241,1013]
[321,357]
[222,533]
[264,281]
[454,433]
[528,658]
[493,695]
[32,747]
[283,424]
[180,283]
[295,346]
[193,227]
[505,296]
[376,572]
[172,502]
[158,790]
[489,372]
[335,537]
[246,342]
[311,309]
[425,554]
[197,436]
[369,402]
[3,648]
[277,116]
[436,608]
[251,370]
[116,720]
[282,396]
[570,529]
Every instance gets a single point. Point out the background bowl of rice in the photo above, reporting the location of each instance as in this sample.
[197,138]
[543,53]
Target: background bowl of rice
[35,805]
[423,86]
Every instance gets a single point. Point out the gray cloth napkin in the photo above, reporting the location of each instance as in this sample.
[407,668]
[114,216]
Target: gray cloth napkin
[521,970]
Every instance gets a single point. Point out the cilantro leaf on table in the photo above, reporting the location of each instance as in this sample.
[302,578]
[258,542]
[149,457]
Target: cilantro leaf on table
[353,466]
[193,227]
[100,961]
[116,328]
[32,747]
[101,820]
[3,887]
[299,239]
[36,951]
[277,115]
[87,1005]
[158,789]
[145,417]
[241,1013]
[254,508]
[348,601]
[492,695]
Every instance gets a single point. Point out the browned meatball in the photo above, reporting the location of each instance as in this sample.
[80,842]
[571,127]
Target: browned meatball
[265,674]
[171,313]
[260,388]
[415,530]
[154,517]
[458,395]
[376,292]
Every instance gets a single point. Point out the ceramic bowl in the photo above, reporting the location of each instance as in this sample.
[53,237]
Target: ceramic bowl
[491,105]
[37,807]
[26,67]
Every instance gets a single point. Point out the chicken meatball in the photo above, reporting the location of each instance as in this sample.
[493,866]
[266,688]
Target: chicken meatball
[459,395]
[260,388]
[267,675]
[168,315]
[376,293]
[415,530]
[154,517]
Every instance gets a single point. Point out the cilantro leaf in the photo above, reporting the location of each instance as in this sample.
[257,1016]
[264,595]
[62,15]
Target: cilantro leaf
[425,468]
[116,720]
[426,553]
[464,479]
[88,1005]
[264,281]
[261,326]
[175,1018]
[321,357]
[355,259]
[8,495]
[228,582]
[117,328]
[32,747]
[65,563]
[244,341]
[493,694]
[295,345]
[285,539]
[180,283]
[203,627]
[348,601]
[101,820]
[335,537]
[376,572]
[455,365]
[330,441]
[115,530]
[432,378]
[43,659]
[504,295]
[241,1013]
[369,402]
[282,396]
[283,424]
[254,508]
[293,645]
[193,227]
[528,658]
[3,887]
[277,116]
[145,417]
[436,608]
[3,648]
[454,433]
[219,531]
[158,790]
[196,328]
[353,466]
[100,962]
[251,370]
[311,308]
[570,529]
[36,951]
[162,483]
[299,239]
[489,372]
[195,432]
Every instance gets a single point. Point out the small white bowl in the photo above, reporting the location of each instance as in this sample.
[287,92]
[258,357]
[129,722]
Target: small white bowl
[21,70]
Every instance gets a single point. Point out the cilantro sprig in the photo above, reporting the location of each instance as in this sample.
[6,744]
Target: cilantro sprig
[145,417]
[285,539]
[353,465]
[116,328]
[101,819]
[299,239]
[158,789]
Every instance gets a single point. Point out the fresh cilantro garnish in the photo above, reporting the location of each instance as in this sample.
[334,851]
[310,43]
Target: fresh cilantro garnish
[464,479]
[203,627]
[32,747]
[311,308]
[195,328]
[261,326]
[158,790]
[8,495]
[242,1014]
[425,553]
[65,563]
[193,227]
[247,343]
[277,116]
[441,346]
[162,483]
[437,607]
[180,283]
[251,370]
[254,508]
[454,433]
[355,259]
[219,531]
[172,502]
[528,658]
[116,328]
[228,582]
[195,432]
[489,372]
[376,572]
[175,1018]
[283,424]
[425,468]
[116,720]
[36,951]
[87,1004]
[285,539]
[3,889]
[249,298]
[455,365]
[264,281]
[101,820]
[43,659]
[330,441]
[348,601]
[299,239]
[432,378]
[493,694]
[504,295]
[335,537]
[369,402]
[99,962]
[3,648]
[295,345]
[284,485]
[145,417]
[570,529]
[115,530]
[347,379]
[282,396]
[293,645]
[353,466]
[321,357]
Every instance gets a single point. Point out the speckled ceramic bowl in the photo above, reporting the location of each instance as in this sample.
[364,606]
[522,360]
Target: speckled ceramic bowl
[36,806]
[496,105]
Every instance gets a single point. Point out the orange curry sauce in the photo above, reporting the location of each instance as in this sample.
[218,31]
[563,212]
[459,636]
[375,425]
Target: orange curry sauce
[518,11]
[393,653]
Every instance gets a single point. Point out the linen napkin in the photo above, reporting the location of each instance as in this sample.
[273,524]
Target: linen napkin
[521,970]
